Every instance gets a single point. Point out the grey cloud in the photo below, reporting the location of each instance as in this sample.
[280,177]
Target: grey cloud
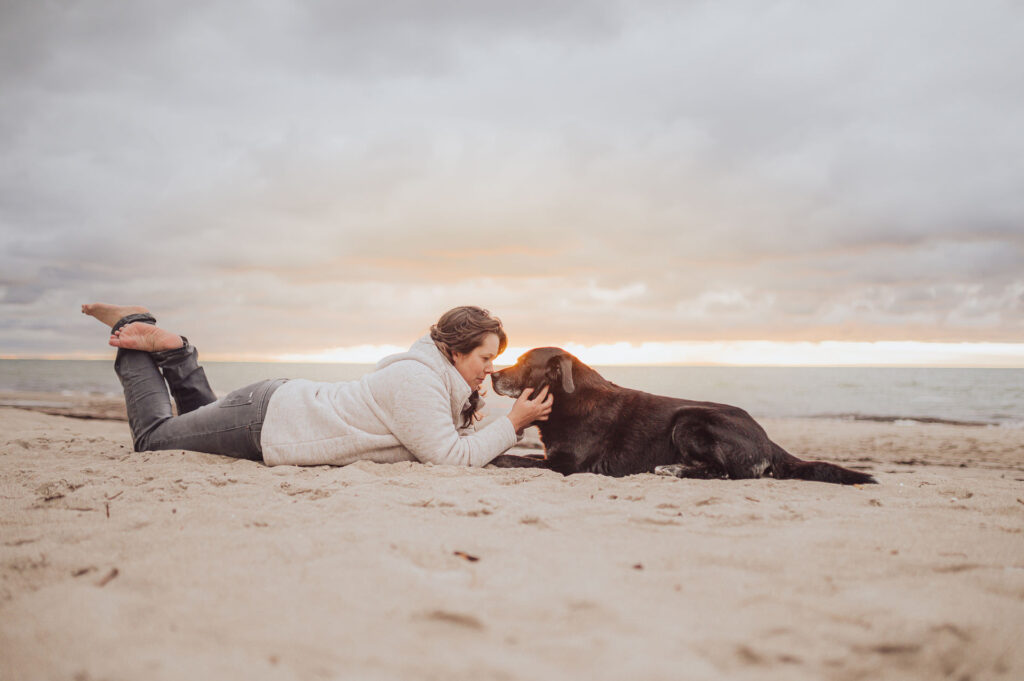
[53,44]
[658,169]
[19,294]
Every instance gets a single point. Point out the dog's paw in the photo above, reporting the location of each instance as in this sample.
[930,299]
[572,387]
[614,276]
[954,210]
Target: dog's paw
[674,470]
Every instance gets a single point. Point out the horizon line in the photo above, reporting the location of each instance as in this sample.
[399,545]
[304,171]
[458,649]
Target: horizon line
[882,354]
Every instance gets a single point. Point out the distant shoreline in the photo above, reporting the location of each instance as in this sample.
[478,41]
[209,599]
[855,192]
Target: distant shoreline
[508,360]
[905,419]
[99,407]
[111,408]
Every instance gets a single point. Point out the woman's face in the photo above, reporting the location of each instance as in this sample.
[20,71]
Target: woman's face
[477,364]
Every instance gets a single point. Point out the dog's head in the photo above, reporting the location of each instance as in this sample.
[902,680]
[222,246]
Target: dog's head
[535,369]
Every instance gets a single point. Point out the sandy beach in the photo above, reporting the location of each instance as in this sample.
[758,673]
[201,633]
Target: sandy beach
[179,565]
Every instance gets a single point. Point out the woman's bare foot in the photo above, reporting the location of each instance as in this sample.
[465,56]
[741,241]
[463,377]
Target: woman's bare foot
[111,314]
[145,337]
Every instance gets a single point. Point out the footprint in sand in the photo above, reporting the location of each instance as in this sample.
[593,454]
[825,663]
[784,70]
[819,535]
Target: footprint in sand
[56,489]
[535,521]
[308,492]
[644,520]
[457,619]
[940,650]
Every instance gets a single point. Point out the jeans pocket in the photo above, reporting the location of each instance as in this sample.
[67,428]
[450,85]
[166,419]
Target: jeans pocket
[239,398]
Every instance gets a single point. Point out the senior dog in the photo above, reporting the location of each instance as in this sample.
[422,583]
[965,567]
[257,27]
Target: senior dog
[596,426]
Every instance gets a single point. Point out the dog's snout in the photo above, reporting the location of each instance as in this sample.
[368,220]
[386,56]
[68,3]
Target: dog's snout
[504,383]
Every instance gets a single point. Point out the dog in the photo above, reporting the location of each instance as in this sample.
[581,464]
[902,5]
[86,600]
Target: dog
[596,426]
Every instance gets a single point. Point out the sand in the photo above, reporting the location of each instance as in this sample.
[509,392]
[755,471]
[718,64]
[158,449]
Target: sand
[179,565]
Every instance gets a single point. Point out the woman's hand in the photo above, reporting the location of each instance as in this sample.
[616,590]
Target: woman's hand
[525,411]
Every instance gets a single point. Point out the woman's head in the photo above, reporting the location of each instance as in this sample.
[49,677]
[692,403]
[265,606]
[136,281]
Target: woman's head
[470,338]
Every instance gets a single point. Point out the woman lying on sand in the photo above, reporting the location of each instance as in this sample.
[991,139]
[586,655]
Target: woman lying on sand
[415,406]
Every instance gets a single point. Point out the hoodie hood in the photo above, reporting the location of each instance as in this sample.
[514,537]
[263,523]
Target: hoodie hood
[426,352]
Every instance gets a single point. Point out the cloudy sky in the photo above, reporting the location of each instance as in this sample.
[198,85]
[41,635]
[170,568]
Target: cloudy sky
[278,177]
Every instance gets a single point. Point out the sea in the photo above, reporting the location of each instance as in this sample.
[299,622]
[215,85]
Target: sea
[984,397]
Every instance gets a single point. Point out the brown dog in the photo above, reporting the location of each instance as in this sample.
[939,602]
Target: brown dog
[598,427]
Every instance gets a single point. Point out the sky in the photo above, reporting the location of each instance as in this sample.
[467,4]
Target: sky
[639,181]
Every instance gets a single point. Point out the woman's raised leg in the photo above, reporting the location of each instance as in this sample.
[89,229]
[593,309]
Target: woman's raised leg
[144,352]
[186,379]
[230,426]
[145,391]
[177,359]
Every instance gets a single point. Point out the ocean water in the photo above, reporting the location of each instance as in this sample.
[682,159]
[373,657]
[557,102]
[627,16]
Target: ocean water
[983,396]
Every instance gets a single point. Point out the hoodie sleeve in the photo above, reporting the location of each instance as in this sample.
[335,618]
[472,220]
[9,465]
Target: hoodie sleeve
[416,407]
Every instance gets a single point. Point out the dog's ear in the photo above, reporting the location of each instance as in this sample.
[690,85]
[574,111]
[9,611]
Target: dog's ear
[565,364]
[562,370]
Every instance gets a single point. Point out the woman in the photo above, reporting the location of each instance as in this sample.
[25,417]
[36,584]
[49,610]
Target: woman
[415,406]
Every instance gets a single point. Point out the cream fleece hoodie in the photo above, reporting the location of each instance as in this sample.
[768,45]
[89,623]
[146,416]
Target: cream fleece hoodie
[407,409]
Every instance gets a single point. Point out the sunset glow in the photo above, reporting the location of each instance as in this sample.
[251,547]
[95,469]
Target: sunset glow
[736,353]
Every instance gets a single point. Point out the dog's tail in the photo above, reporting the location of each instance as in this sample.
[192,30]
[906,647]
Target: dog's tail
[785,465]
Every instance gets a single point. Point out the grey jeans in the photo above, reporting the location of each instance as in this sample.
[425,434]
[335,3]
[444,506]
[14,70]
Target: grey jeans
[229,426]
